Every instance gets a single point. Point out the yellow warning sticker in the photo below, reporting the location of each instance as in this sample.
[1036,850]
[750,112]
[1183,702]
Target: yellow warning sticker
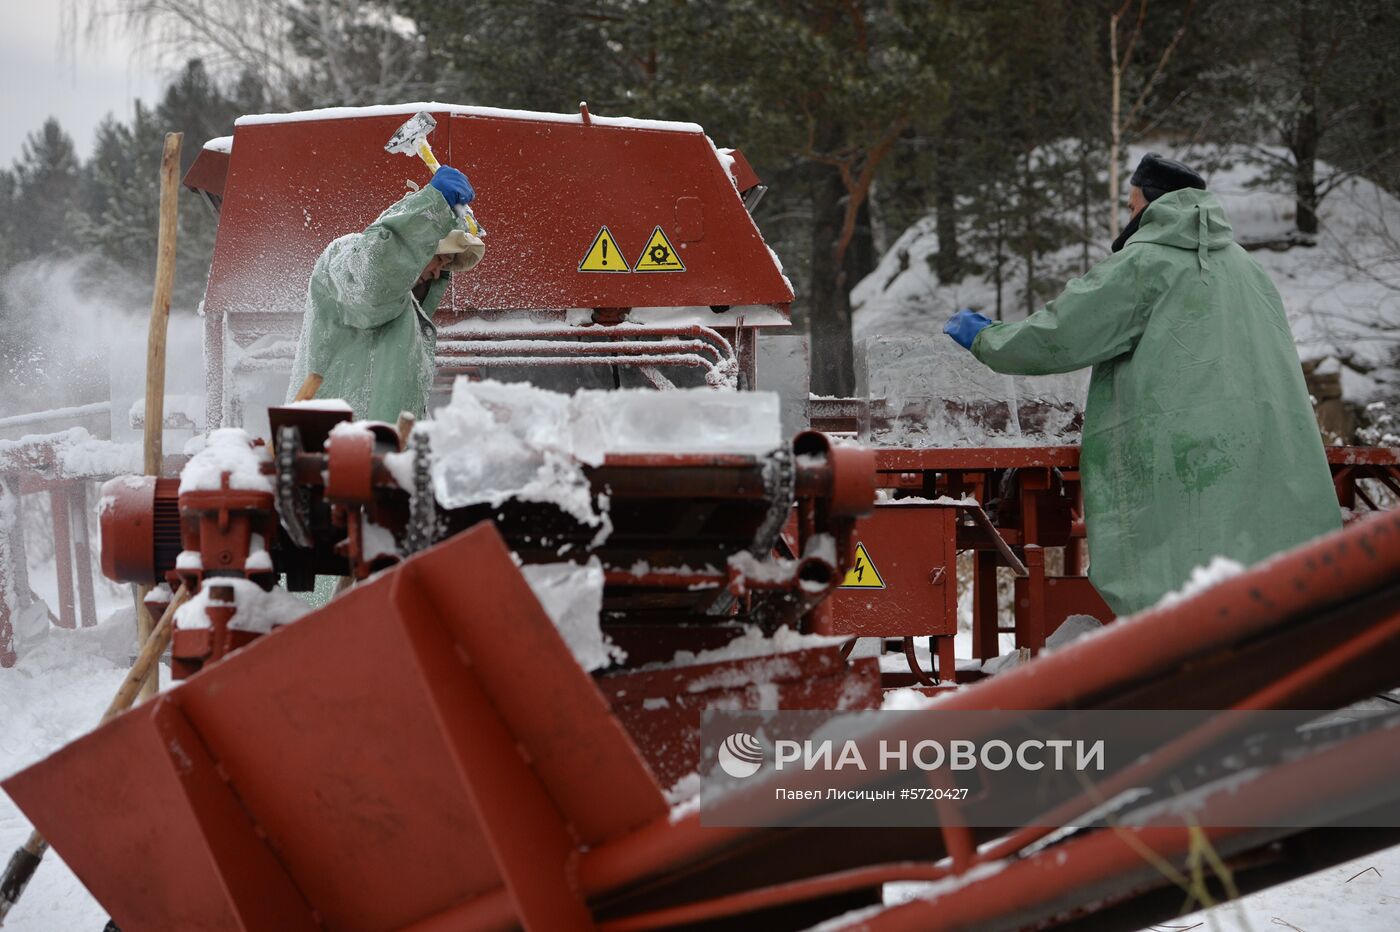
[862,574]
[659,256]
[603,255]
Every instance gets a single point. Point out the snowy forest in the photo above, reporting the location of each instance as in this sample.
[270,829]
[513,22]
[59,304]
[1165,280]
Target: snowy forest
[1003,130]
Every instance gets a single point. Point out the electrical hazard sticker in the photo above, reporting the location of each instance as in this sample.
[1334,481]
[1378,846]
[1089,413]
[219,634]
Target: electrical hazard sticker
[862,574]
[603,255]
[659,256]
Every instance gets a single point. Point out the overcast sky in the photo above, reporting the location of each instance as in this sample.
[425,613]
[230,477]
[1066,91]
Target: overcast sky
[78,82]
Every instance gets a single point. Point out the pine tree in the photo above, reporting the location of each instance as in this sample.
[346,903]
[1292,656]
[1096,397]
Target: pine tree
[47,182]
[9,217]
[194,105]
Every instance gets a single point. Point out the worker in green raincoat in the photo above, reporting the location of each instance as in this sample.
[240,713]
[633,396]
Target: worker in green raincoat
[368,336]
[1199,437]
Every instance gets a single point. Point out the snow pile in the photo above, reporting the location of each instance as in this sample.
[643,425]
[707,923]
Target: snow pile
[379,541]
[752,643]
[408,110]
[321,404]
[572,597]
[227,450]
[179,411]
[256,610]
[936,394]
[259,560]
[78,454]
[779,570]
[499,441]
[1202,578]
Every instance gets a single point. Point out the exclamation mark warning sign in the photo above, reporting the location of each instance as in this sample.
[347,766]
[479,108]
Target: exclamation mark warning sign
[603,255]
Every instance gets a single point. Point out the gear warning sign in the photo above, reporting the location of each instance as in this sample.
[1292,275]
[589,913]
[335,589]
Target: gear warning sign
[603,255]
[862,574]
[659,256]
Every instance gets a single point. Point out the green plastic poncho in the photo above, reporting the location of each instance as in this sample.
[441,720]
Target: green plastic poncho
[1199,437]
[364,333]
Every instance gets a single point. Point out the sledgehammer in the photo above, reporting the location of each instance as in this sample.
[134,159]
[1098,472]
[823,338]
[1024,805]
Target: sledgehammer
[412,139]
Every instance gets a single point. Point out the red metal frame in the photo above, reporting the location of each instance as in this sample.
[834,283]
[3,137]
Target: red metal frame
[547,183]
[1039,507]
[536,810]
[35,466]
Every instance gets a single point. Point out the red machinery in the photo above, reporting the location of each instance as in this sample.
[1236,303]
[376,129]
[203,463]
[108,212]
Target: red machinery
[687,562]
[549,186]
[426,753]
[1013,508]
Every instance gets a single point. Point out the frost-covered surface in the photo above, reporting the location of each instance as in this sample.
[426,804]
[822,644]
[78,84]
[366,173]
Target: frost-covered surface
[257,610]
[572,596]
[500,441]
[1342,296]
[227,450]
[408,110]
[78,454]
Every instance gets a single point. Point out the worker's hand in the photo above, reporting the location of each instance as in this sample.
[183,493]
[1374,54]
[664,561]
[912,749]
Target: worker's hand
[454,186]
[965,325]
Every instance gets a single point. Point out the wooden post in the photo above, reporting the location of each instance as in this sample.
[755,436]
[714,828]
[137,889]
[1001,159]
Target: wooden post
[155,351]
[82,553]
[63,555]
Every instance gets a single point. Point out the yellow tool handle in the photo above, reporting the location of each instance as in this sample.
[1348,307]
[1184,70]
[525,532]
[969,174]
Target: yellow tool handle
[425,152]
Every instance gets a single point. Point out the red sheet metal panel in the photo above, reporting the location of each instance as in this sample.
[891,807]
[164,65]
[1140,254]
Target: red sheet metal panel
[376,761]
[545,188]
[907,584]
[209,173]
[661,709]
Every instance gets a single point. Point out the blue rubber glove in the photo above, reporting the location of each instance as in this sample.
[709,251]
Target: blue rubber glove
[454,186]
[965,325]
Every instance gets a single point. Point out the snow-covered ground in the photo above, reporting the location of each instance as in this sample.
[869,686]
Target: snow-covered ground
[56,692]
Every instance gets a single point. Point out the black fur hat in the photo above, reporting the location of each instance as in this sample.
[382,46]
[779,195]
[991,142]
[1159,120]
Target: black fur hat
[1157,176]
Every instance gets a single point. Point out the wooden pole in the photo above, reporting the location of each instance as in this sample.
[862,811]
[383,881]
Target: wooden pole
[155,350]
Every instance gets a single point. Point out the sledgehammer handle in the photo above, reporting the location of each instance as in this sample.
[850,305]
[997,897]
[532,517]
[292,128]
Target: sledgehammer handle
[26,859]
[425,152]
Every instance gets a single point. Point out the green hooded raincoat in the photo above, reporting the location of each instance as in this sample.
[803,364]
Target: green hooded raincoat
[364,333]
[1199,438]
